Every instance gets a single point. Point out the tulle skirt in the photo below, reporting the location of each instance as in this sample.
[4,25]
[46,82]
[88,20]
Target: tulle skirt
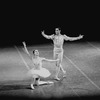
[43,72]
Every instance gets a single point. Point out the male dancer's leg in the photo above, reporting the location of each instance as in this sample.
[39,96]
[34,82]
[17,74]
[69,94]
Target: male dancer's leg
[58,64]
[60,56]
[55,55]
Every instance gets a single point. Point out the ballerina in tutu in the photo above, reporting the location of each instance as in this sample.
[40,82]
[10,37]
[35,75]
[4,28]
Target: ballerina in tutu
[38,71]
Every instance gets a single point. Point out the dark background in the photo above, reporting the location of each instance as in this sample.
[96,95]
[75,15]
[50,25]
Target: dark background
[24,21]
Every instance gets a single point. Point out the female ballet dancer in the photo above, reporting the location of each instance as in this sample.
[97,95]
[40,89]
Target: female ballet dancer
[38,71]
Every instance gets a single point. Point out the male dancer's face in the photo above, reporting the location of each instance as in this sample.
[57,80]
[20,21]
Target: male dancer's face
[57,31]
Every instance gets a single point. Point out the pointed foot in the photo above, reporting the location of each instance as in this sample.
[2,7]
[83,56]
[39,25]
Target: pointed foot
[32,87]
[56,78]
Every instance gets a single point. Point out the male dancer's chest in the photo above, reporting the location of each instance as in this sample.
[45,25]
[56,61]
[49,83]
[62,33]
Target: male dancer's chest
[58,41]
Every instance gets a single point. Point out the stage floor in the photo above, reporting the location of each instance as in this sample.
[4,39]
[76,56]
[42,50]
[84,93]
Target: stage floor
[81,62]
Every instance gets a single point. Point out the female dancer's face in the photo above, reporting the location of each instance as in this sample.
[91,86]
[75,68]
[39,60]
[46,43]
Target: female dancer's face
[36,53]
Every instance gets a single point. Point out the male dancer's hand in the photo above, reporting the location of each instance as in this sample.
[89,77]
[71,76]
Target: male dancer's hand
[80,36]
[42,32]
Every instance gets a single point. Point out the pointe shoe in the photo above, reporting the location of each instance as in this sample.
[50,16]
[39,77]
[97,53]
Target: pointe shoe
[57,78]
[64,76]
[32,86]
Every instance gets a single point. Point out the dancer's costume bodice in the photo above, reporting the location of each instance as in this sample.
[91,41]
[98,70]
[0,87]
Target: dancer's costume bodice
[37,62]
[58,41]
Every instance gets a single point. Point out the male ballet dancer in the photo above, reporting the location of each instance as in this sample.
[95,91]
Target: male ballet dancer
[58,40]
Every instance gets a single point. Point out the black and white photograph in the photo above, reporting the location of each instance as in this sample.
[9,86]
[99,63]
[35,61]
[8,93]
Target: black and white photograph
[50,50]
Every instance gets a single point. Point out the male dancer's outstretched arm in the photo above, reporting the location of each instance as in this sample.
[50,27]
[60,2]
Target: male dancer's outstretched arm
[47,36]
[72,38]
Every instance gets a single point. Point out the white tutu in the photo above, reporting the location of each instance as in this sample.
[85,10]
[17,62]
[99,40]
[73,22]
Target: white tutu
[43,72]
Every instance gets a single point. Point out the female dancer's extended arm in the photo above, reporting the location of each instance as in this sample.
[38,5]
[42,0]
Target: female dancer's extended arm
[25,48]
[50,60]
[22,58]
